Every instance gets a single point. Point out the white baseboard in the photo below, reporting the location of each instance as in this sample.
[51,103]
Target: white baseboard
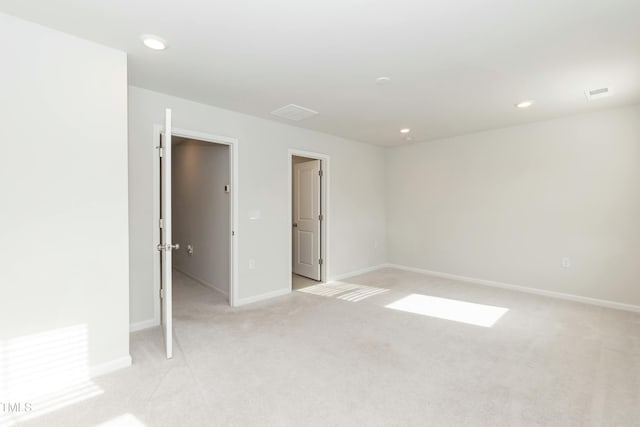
[262,297]
[280,292]
[111,366]
[145,324]
[535,291]
[201,281]
[356,272]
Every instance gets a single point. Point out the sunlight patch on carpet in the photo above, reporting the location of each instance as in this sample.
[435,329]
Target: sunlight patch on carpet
[344,291]
[450,309]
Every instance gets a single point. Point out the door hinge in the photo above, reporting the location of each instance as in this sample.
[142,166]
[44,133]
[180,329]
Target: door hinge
[233,232]
[320,261]
[320,217]
[161,151]
[161,293]
[161,223]
[320,172]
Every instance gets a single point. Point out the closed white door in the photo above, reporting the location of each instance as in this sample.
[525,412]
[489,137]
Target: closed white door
[306,219]
[166,246]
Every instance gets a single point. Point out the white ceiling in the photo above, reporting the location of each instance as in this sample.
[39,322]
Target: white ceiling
[457,66]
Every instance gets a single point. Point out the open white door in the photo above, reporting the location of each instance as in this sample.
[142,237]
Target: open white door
[306,219]
[165,247]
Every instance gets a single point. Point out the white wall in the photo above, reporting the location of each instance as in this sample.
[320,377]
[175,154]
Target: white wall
[507,205]
[63,179]
[357,211]
[201,212]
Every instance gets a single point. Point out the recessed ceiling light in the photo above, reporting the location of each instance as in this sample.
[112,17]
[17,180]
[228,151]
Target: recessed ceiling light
[154,42]
[524,104]
[383,81]
[405,130]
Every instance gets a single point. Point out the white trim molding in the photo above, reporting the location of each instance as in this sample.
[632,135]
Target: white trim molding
[357,272]
[325,211]
[280,292]
[145,324]
[525,289]
[111,366]
[262,297]
[233,144]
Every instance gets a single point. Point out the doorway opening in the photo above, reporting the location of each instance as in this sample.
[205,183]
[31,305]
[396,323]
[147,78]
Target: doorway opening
[309,220]
[197,241]
[201,212]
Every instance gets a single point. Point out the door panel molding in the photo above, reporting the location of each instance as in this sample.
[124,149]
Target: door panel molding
[325,206]
[306,217]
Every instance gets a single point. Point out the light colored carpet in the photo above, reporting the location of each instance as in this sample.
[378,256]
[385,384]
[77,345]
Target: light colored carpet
[299,282]
[368,351]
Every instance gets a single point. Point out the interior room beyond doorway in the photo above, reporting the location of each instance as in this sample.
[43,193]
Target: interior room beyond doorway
[306,221]
[201,209]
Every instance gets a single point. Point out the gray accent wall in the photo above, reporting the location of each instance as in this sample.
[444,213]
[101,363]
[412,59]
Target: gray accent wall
[201,212]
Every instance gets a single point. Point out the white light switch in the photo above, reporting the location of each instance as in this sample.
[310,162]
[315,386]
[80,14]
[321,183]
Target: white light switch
[252,264]
[566,262]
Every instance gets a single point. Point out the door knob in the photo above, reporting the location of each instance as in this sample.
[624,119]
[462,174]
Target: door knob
[295,225]
[168,247]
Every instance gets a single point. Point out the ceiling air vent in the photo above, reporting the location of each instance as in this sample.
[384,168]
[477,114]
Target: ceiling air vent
[294,112]
[602,92]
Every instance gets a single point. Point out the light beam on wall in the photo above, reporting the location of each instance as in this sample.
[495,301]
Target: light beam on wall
[43,372]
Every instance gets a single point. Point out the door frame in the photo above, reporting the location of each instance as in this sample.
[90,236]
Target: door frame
[233,143]
[325,161]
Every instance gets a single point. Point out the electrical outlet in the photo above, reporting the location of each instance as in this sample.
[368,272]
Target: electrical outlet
[566,262]
[189,250]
